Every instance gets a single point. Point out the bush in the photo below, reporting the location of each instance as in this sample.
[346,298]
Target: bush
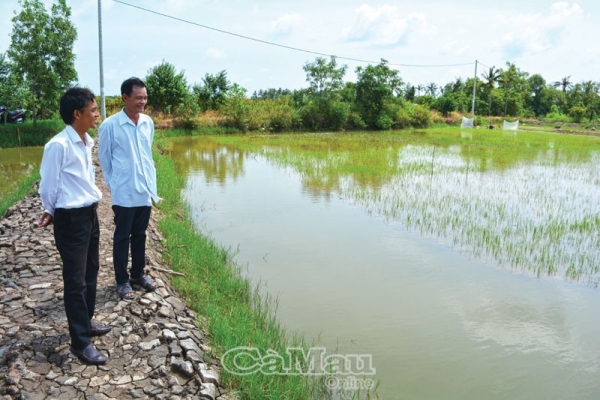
[478,121]
[355,121]
[402,118]
[185,114]
[577,113]
[384,122]
[337,115]
[421,118]
[556,116]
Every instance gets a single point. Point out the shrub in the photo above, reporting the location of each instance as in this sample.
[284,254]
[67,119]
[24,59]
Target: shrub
[384,122]
[420,117]
[355,121]
[337,115]
[577,113]
[556,116]
[403,118]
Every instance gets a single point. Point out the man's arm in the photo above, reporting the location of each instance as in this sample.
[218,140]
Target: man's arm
[105,142]
[49,184]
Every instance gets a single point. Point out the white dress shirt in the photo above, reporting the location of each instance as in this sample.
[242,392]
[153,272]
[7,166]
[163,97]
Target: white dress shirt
[67,172]
[125,152]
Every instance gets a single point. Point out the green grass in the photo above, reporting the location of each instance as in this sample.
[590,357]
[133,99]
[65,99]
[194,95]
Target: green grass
[235,313]
[26,134]
[24,188]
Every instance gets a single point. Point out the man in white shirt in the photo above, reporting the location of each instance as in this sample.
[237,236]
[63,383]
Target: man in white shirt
[70,198]
[125,152]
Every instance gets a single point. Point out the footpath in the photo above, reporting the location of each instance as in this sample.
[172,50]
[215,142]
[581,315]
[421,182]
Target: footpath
[156,348]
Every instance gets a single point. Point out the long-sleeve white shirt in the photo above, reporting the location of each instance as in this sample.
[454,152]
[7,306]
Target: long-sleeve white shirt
[67,172]
[125,152]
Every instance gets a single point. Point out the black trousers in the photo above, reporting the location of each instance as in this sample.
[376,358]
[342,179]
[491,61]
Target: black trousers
[77,237]
[130,228]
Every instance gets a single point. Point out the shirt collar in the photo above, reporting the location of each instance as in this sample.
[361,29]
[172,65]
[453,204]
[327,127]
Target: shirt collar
[124,119]
[74,136]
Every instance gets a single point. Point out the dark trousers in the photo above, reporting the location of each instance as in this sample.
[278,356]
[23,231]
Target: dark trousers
[77,237]
[130,227]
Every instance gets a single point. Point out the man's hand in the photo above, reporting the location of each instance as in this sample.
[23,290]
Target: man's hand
[45,220]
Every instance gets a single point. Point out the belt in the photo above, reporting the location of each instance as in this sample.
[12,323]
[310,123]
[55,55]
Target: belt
[80,210]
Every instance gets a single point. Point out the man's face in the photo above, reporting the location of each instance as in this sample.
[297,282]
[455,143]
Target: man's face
[136,103]
[88,116]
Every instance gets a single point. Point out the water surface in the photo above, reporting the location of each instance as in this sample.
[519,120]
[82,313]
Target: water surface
[16,164]
[440,319]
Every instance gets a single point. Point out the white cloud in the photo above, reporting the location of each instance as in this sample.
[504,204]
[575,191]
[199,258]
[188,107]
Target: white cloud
[455,47]
[285,25]
[539,32]
[214,53]
[385,26]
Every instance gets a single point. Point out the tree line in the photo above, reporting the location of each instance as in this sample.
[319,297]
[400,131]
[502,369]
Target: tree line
[39,65]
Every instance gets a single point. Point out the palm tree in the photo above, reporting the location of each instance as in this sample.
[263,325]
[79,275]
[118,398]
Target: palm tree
[492,76]
[457,85]
[432,88]
[507,80]
[565,83]
[419,89]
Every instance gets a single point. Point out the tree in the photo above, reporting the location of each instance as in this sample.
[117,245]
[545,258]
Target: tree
[565,83]
[12,94]
[167,90]
[431,88]
[409,92]
[323,110]
[376,89]
[213,93]
[538,103]
[491,76]
[419,88]
[509,79]
[41,51]
[324,77]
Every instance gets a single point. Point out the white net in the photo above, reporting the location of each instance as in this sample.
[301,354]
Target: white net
[466,122]
[510,126]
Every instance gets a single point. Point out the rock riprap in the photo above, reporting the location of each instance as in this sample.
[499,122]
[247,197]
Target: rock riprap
[156,348]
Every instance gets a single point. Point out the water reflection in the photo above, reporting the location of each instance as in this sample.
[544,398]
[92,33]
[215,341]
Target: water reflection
[16,164]
[534,210]
[217,162]
[438,322]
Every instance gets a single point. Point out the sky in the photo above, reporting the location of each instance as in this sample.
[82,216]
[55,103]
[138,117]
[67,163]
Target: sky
[427,41]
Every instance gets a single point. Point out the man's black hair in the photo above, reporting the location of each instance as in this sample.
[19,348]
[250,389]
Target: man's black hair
[127,85]
[75,98]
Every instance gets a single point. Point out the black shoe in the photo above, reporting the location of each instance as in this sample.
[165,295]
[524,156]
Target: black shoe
[99,330]
[90,355]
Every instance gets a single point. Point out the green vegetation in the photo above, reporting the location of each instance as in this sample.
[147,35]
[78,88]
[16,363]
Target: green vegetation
[378,100]
[527,201]
[235,313]
[42,63]
[28,134]
[24,188]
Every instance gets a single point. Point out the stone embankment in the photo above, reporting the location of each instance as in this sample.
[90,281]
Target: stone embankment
[155,348]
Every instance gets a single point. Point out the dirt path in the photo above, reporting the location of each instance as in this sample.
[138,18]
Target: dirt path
[155,348]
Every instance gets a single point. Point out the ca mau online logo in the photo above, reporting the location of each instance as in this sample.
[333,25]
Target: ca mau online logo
[296,361]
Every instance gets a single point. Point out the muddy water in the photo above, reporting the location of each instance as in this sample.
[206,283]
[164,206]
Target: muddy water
[438,321]
[16,164]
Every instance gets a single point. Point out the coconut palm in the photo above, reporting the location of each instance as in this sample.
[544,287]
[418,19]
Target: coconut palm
[432,88]
[565,83]
[419,89]
[491,76]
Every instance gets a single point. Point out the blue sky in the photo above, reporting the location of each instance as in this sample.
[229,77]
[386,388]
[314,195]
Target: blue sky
[554,39]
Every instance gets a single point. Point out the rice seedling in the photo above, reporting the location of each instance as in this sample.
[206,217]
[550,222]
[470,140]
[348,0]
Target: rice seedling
[527,202]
